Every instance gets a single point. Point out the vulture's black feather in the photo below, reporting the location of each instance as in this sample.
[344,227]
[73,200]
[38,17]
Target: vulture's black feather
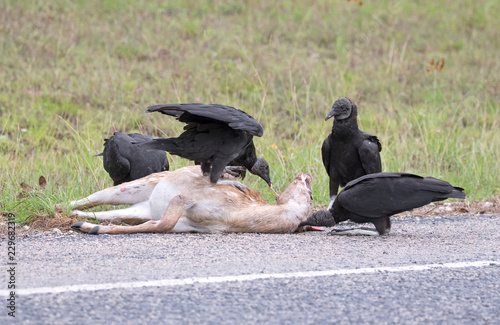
[125,161]
[375,197]
[215,136]
[348,152]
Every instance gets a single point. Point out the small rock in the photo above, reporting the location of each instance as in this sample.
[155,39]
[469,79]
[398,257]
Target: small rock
[487,205]
[56,231]
[26,227]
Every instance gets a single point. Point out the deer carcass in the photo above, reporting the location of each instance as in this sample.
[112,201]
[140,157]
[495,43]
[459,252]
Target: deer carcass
[185,201]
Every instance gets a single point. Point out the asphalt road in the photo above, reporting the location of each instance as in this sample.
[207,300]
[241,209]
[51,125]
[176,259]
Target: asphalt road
[427,271]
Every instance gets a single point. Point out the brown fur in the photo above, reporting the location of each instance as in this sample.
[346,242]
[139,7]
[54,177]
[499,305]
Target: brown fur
[185,201]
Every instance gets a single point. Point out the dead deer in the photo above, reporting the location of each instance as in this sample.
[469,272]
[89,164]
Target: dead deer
[185,201]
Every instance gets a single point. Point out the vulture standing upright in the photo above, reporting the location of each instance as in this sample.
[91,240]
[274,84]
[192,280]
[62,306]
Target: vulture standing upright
[348,152]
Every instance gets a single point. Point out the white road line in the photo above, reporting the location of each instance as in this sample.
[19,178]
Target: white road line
[244,277]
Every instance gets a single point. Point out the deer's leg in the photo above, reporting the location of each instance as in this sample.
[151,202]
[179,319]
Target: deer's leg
[174,211]
[138,213]
[126,193]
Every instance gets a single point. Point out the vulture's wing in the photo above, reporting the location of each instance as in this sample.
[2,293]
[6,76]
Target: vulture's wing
[325,154]
[210,113]
[114,161]
[369,154]
[384,194]
[137,137]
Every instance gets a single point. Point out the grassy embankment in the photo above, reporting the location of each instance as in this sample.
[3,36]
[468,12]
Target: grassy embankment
[75,72]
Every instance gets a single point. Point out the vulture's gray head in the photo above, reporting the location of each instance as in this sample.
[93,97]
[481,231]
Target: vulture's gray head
[341,109]
[261,168]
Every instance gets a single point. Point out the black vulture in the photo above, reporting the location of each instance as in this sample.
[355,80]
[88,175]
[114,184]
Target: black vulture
[375,197]
[348,152]
[215,136]
[125,161]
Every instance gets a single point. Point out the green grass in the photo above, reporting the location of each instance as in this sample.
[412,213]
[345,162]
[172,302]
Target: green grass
[74,72]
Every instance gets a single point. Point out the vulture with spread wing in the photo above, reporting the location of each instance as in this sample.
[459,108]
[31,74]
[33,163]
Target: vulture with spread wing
[215,136]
